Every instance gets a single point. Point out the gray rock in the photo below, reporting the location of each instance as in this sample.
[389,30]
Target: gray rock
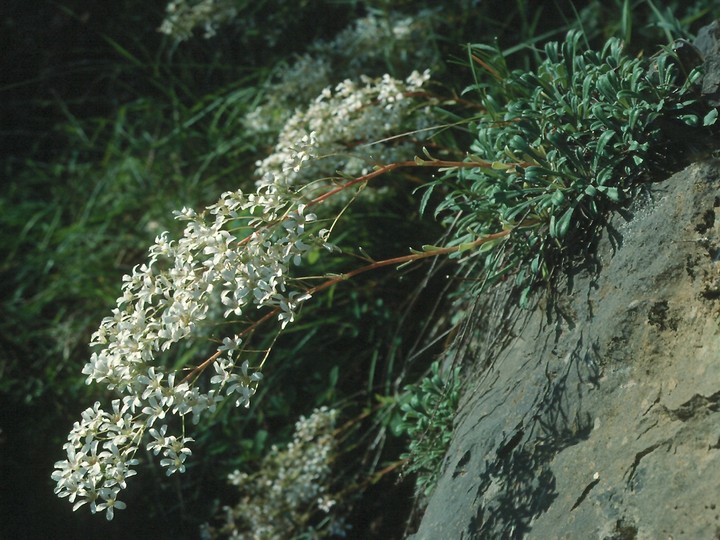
[708,43]
[597,415]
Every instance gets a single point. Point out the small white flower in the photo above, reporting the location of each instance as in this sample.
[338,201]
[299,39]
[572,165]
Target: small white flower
[175,454]
[155,410]
[160,441]
[109,503]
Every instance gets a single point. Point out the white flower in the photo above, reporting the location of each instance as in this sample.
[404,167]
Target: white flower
[152,383]
[243,384]
[314,141]
[175,453]
[292,483]
[325,503]
[160,441]
[416,79]
[182,17]
[109,503]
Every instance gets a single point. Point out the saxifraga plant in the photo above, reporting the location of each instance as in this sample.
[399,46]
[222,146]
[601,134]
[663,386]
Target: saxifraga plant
[568,142]
[554,152]
[294,492]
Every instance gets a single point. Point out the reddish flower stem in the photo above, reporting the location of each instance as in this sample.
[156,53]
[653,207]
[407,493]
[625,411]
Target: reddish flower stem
[377,264]
[209,361]
[400,164]
[409,258]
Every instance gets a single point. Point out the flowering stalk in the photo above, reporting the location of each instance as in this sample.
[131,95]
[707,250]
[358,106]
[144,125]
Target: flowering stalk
[212,273]
[294,489]
[234,263]
[334,131]
[398,165]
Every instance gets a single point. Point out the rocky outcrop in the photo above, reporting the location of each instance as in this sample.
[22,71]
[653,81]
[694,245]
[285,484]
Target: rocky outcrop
[598,416]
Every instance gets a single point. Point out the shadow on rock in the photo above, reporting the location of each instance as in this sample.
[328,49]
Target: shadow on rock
[518,484]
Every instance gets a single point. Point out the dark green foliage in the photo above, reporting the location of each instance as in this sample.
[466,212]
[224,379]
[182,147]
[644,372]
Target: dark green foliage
[428,413]
[569,142]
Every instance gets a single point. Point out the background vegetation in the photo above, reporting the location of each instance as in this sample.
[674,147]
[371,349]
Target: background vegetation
[108,125]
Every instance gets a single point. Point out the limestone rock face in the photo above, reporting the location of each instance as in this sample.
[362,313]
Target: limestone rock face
[598,415]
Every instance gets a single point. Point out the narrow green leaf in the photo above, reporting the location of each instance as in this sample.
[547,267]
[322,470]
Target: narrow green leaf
[558,198]
[426,196]
[611,193]
[558,229]
[602,142]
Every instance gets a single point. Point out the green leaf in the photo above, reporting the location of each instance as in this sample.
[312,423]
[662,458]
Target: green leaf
[612,193]
[498,165]
[333,376]
[489,246]
[426,196]
[558,229]
[690,119]
[313,256]
[535,264]
[602,143]
[558,198]
[710,118]
[626,21]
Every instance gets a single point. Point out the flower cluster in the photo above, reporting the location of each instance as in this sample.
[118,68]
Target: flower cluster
[378,38]
[291,494]
[212,273]
[183,16]
[338,127]
[234,264]
[299,83]
[92,473]
[364,47]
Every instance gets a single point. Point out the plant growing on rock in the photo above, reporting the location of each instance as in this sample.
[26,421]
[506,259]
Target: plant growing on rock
[233,268]
[236,268]
[554,151]
[428,414]
[569,142]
